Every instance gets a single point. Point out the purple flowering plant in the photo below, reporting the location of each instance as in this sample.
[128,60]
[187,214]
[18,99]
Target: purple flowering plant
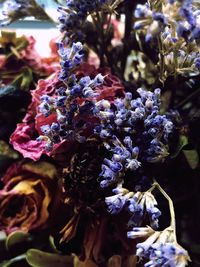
[119,121]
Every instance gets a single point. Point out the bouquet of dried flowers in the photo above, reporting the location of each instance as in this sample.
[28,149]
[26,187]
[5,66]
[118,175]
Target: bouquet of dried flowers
[108,149]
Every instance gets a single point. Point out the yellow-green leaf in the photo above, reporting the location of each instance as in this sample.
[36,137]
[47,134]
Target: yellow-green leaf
[192,158]
[38,258]
[16,238]
[183,141]
[52,244]
[6,151]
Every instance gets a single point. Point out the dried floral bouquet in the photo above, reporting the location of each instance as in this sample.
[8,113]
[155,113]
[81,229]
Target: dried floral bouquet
[104,136]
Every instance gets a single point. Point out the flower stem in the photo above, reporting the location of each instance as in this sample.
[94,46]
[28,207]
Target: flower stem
[171,208]
[160,47]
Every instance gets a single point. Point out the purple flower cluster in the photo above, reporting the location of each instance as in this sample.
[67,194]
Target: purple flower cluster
[160,248]
[71,58]
[189,30]
[184,15]
[74,14]
[65,105]
[154,22]
[134,132]
[138,204]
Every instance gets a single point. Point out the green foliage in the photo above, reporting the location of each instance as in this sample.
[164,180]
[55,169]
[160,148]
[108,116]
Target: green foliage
[38,258]
[183,141]
[15,238]
[24,80]
[192,158]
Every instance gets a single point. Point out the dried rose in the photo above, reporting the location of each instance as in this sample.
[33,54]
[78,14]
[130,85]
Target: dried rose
[24,137]
[19,53]
[26,197]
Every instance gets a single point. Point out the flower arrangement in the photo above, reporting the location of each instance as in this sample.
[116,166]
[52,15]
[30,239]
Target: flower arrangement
[108,137]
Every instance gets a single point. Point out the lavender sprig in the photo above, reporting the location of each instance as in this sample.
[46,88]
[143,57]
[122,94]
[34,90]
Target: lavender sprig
[71,58]
[134,132]
[181,16]
[138,204]
[74,14]
[70,122]
[160,248]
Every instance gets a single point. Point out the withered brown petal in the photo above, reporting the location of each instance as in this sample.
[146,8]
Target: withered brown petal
[69,230]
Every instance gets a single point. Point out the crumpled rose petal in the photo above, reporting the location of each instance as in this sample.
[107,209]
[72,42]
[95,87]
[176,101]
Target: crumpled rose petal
[24,137]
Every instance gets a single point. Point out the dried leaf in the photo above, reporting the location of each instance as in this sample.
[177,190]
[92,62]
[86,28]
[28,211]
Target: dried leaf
[131,261]
[6,151]
[38,258]
[87,263]
[115,261]
[69,230]
[99,240]
[7,36]
[90,238]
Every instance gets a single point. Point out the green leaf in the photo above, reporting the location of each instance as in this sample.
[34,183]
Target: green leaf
[192,158]
[24,80]
[52,245]
[6,151]
[38,258]
[14,52]
[183,141]
[10,262]
[27,79]
[21,43]
[17,237]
